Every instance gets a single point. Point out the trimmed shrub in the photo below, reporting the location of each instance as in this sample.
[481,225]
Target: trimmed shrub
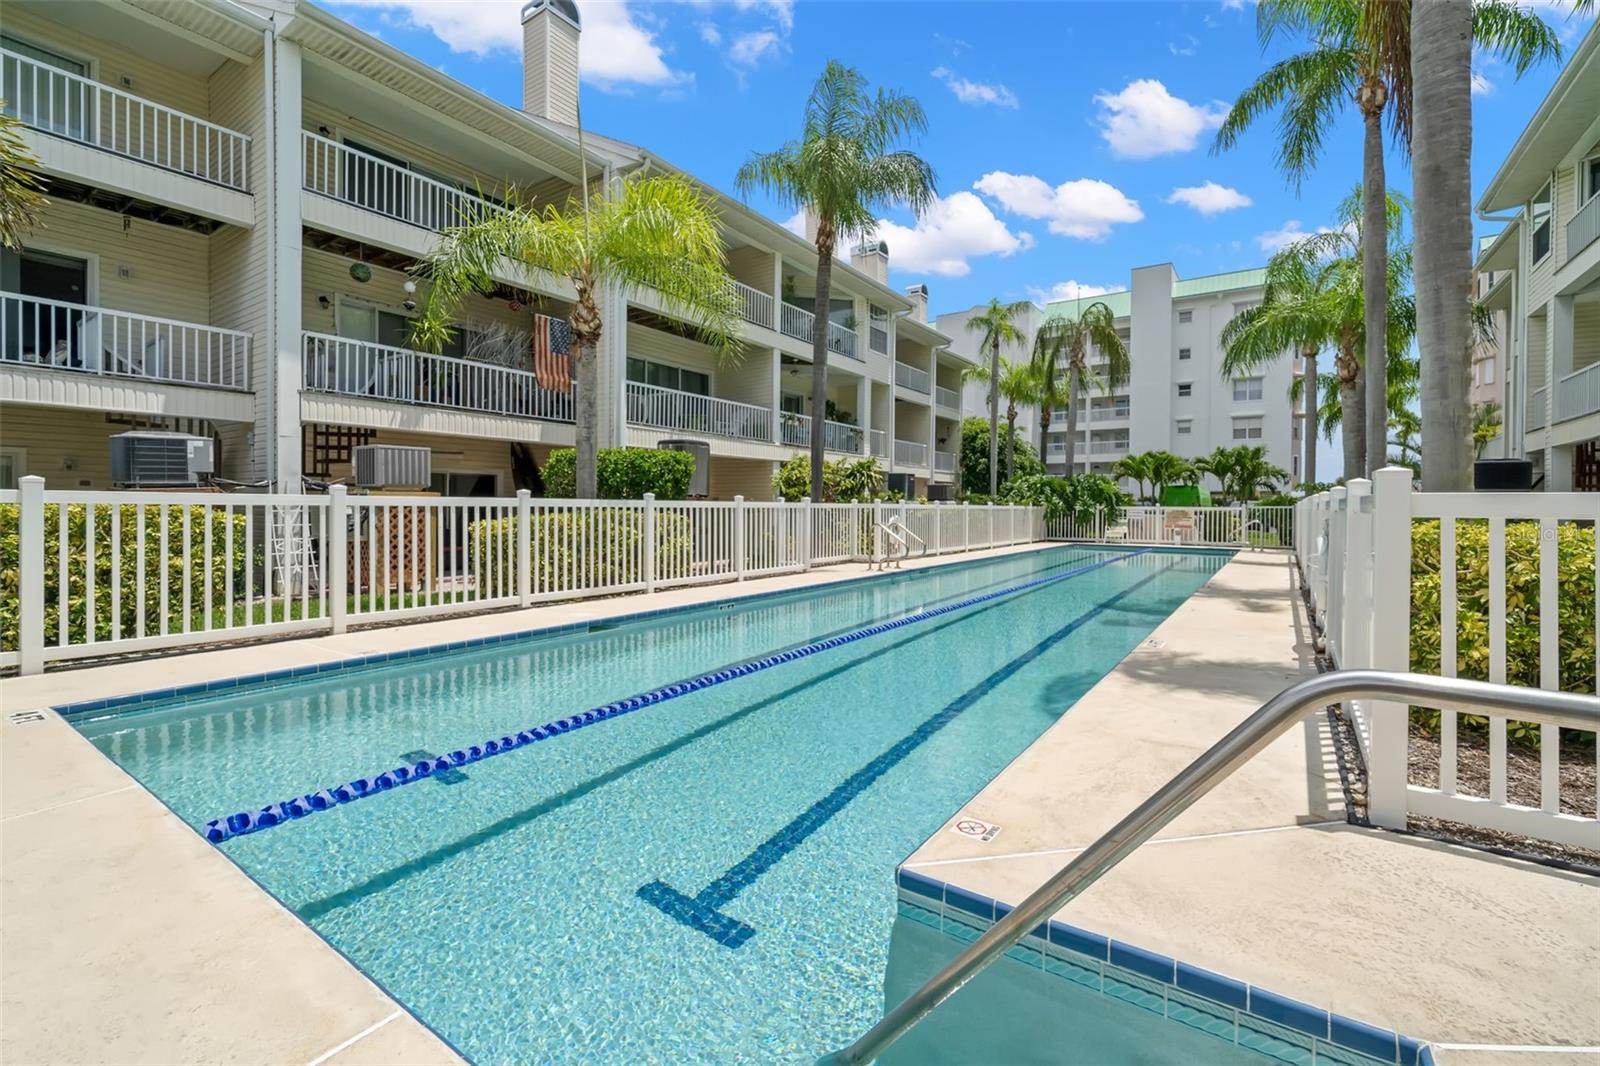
[1077,497]
[974,457]
[583,548]
[843,480]
[622,473]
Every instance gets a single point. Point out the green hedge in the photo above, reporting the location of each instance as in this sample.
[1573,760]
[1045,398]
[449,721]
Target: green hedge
[609,539]
[1077,497]
[843,480]
[622,473]
[180,567]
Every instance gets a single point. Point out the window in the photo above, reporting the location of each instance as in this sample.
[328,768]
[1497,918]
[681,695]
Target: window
[792,403]
[666,376]
[362,321]
[1186,389]
[1185,317]
[1539,209]
[47,102]
[1246,389]
[13,464]
[1247,429]
[1590,175]
[1488,371]
[1185,426]
[1184,353]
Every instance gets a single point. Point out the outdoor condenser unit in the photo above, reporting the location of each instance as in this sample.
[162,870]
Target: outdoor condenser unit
[904,484]
[153,458]
[392,466]
[700,483]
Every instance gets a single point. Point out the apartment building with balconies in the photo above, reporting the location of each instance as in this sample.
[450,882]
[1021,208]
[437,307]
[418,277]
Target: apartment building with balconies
[237,195]
[1545,264]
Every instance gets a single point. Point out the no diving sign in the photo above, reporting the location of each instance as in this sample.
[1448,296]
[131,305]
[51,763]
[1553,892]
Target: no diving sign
[975,828]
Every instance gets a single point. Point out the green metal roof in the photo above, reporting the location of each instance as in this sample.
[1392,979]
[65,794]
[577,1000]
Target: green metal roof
[1121,304]
[1210,283]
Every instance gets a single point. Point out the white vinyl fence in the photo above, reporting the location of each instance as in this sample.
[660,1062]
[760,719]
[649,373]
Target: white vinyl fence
[1448,582]
[108,573]
[1200,527]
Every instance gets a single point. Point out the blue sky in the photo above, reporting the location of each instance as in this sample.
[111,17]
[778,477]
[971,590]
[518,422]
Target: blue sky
[1071,140]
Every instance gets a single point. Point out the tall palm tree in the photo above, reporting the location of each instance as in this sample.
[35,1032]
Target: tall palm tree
[842,171]
[655,232]
[1136,468]
[1065,340]
[998,324]
[1486,426]
[1054,386]
[1019,384]
[21,193]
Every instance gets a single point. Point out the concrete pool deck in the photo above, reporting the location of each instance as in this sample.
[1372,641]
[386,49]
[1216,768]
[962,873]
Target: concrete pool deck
[1263,880]
[126,938]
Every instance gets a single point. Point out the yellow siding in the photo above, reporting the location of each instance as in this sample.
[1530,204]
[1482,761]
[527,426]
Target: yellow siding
[326,274]
[646,343]
[750,478]
[168,268]
[56,438]
[751,266]
[1541,278]
[1537,333]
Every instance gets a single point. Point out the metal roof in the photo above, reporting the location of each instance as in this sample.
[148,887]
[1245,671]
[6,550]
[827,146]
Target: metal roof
[1207,284]
[1121,304]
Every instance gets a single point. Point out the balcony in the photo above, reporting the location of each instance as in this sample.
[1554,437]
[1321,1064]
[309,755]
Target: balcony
[880,443]
[910,377]
[1538,401]
[798,323]
[1108,447]
[944,462]
[79,339]
[755,306]
[349,367]
[836,436]
[948,399]
[651,405]
[910,453]
[1583,228]
[1578,393]
[75,108]
[342,173]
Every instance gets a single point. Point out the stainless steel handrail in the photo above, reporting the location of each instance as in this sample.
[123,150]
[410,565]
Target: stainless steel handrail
[1272,719]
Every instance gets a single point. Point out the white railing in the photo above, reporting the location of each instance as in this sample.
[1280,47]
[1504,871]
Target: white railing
[950,399]
[1584,227]
[650,405]
[755,306]
[1203,527]
[798,323]
[55,101]
[1372,554]
[911,377]
[354,177]
[97,340]
[795,431]
[1538,407]
[880,443]
[842,340]
[944,462]
[399,375]
[1107,414]
[1108,447]
[1578,393]
[910,453]
[109,573]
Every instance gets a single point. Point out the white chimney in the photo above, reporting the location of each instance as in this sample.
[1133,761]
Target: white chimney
[550,60]
[872,259]
[918,295]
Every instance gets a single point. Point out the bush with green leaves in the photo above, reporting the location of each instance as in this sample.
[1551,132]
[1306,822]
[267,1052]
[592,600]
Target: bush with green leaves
[1077,497]
[975,455]
[117,582]
[843,480]
[581,548]
[623,473]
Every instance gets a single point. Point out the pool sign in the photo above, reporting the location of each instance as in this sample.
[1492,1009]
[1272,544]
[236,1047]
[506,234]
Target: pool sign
[978,830]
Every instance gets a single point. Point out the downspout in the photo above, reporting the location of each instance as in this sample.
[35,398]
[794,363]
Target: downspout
[269,139]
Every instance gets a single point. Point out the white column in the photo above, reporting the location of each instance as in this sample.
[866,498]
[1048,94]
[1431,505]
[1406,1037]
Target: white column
[30,575]
[525,547]
[1559,348]
[1391,643]
[738,537]
[338,557]
[284,280]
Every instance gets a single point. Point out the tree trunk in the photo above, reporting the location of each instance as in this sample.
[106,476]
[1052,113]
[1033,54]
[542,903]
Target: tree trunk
[1371,97]
[1044,432]
[819,351]
[1076,390]
[1441,145]
[1308,467]
[994,416]
[1011,439]
[586,331]
[1352,417]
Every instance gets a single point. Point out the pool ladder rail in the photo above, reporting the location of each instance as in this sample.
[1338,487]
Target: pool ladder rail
[1271,720]
[897,534]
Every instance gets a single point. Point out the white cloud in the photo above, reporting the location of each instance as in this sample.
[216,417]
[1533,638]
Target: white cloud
[1481,86]
[1085,208]
[975,92]
[796,223]
[781,10]
[710,34]
[1071,290]
[1233,5]
[1209,198]
[1187,44]
[1145,120]
[748,48]
[1279,239]
[956,228]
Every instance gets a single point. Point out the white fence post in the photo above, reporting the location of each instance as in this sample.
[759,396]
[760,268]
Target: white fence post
[525,547]
[30,576]
[738,537]
[338,557]
[807,524]
[650,540]
[1391,643]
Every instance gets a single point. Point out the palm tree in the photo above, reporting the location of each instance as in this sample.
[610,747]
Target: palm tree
[1486,425]
[842,172]
[1054,387]
[21,194]
[1136,468]
[998,324]
[1019,384]
[1064,341]
[1169,469]
[1241,471]
[1405,428]
[655,232]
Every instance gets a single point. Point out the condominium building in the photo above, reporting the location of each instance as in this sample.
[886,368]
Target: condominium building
[1545,264]
[237,191]
[1177,398]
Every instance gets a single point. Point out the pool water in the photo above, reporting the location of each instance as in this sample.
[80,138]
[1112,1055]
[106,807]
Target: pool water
[570,901]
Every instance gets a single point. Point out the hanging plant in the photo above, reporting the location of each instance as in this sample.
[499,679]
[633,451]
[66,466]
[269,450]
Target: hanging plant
[361,272]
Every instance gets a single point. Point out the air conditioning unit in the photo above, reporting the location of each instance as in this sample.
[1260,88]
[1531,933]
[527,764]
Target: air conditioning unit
[157,459]
[941,492]
[700,483]
[392,466]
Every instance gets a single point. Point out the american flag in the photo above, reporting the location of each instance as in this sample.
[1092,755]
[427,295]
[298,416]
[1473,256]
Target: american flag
[552,353]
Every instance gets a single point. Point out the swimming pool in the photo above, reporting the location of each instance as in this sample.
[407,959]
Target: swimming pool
[704,879]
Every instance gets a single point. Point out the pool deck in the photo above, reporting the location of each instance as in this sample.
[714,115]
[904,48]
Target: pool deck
[126,938]
[1263,880]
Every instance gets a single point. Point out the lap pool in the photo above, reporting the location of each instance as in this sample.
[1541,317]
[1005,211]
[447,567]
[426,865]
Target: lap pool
[704,879]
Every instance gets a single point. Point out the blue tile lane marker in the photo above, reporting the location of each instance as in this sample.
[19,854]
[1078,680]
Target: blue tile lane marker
[703,912]
[244,823]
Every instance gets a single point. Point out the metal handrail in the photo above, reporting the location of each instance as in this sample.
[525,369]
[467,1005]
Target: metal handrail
[1248,738]
[893,527]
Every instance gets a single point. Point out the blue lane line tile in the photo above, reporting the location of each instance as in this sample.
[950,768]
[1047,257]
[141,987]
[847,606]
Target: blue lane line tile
[1288,1012]
[1213,986]
[1147,963]
[1367,1039]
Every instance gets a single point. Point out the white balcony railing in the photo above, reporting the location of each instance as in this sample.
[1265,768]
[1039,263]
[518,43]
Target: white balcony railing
[944,462]
[97,340]
[376,371]
[798,323]
[911,377]
[650,405]
[1107,414]
[1578,393]
[1108,447]
[842,340]
[1538,400]
[880,443]
[68,105]
[910,453]
[355,177]
[950,399]
[836,436]
[1583,228]
[755,306]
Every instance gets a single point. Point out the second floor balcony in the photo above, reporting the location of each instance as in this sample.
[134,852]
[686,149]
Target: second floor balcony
[651,405]
[944,462]
[387,188]
[798,323]
[947,399]
[1583,228]
[913,378]
[910,453]
[795,431]
[1578,393]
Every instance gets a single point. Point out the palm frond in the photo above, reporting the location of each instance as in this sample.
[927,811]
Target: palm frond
[1518,36]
